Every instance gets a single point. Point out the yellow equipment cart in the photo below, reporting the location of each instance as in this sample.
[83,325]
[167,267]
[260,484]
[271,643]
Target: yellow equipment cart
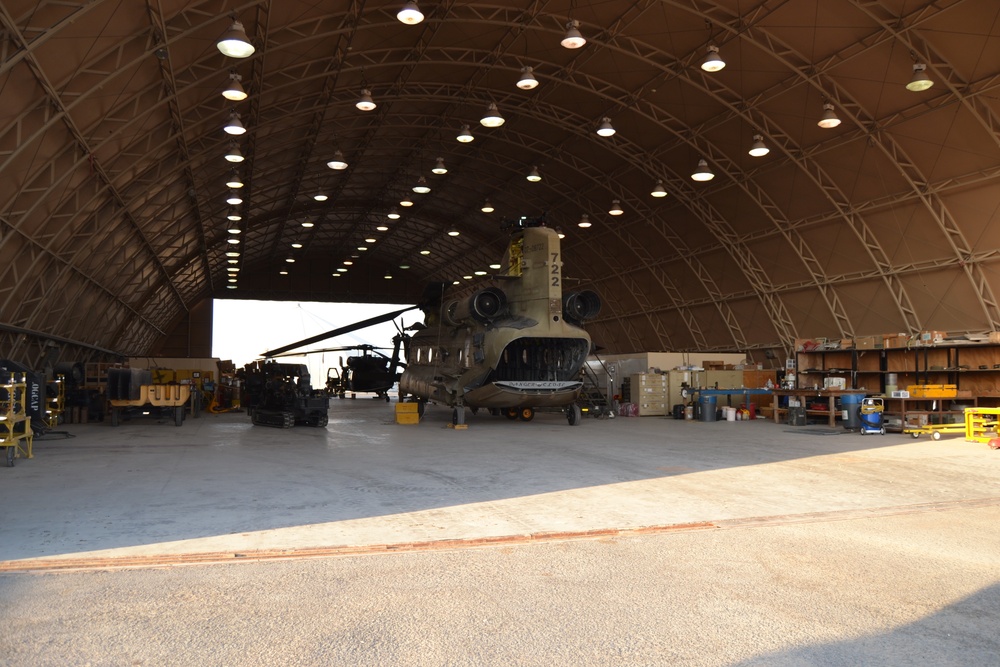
[160,396]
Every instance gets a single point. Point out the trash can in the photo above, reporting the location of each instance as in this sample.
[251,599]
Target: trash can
[679,411]
[707,405]
[850,405]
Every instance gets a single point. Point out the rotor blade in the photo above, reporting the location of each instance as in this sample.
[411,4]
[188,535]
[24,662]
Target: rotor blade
[339,331]
[305,352]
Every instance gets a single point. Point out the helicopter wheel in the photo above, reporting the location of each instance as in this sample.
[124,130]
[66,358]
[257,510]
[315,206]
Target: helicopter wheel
[526,414]
[574,415]
[511,413]
[458,416]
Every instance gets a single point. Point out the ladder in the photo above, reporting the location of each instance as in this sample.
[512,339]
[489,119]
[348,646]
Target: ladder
[592,397]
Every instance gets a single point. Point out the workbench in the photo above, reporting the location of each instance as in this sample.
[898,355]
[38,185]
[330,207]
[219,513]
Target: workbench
[830,395]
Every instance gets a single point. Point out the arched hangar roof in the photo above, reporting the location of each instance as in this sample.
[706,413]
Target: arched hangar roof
[113,177]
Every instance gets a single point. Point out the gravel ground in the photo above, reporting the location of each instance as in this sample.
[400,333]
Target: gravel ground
[913,589]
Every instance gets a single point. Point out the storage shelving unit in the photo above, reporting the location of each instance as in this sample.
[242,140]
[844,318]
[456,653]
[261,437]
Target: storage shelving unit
[973,368]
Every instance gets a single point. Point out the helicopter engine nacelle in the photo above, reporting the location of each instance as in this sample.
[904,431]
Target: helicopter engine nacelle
[581,306]
[484,306]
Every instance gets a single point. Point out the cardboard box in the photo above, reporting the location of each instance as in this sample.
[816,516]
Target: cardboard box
[896,341]
[868,343]
[931,337]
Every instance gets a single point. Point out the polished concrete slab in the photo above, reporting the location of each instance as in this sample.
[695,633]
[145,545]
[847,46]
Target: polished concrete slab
[217,487]
[625,542]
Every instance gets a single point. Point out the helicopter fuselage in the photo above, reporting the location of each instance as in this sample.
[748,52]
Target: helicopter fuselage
[509,345]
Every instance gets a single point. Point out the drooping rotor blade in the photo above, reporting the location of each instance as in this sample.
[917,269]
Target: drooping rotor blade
[372,321]
[330,349]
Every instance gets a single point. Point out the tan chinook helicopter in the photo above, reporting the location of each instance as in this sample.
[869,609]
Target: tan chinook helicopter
[511,347]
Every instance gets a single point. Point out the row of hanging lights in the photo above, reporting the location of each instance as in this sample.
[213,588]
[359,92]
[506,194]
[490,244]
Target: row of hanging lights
[235,43]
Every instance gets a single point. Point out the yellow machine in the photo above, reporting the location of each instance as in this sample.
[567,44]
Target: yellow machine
[160,396]
[15,426]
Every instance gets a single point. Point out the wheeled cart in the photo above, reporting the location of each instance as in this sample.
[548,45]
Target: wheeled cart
[871,412]
[165,397]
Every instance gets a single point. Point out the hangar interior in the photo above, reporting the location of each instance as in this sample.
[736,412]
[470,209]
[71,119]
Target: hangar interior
[741,181]
[850,153]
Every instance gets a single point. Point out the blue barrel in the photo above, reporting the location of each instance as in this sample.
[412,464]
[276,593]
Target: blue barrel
[850,405]
[707,405]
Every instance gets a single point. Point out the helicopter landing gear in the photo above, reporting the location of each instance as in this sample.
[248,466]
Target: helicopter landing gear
[526,414]
[511,413]
[574,415]
[458,416]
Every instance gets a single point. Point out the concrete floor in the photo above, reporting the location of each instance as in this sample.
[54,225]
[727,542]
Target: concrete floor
[898,536]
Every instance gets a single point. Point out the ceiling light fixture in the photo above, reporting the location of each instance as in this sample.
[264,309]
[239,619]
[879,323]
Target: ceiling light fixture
[605,129]
[758,148]
[495,267]
[439,167]
[235,43]
[713,62]
[296,245]
[464,135]
[320,196]
[234,198]
[584,221]
[425,252]
[487,207]
[234,91]
[410,14]
[233,126]
[234,214]
[362,248]
[533,175]
[406,201]
[337,162]
[233,253]
[365,103]
[234,180]
[234,154]
[290,260]
[381,228]
[234,229]
[920,80]
[393,213]
[370,240]
[421,187]
[307,224]
[616,208]
[573,38]
[453,232]
[233,240]
[829,118]
[658,189]
[560,233]
[702,173]
[492,117]
[230,286]
[527,80]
